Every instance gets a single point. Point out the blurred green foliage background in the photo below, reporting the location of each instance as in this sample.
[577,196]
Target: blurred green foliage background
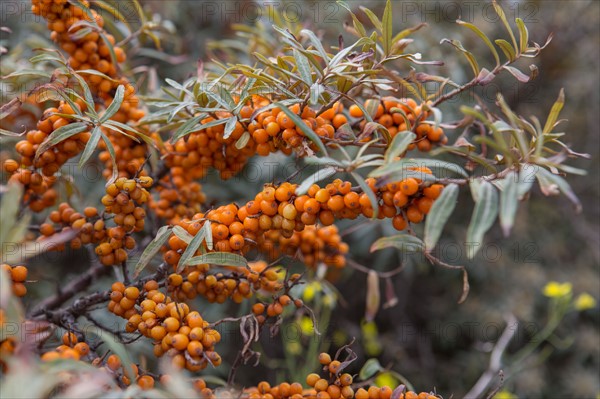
[427,337]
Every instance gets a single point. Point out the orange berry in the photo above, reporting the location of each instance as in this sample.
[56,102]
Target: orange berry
[324,358]
[351,200]
[433,191]
[399,222]
[113,362]
[18,274]
[146,382]
[339,120]
[312,379]
[414,215]
[355,111]
[409,186]
[312,206]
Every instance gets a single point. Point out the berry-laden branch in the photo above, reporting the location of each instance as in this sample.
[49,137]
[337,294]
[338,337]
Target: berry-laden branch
[300,100]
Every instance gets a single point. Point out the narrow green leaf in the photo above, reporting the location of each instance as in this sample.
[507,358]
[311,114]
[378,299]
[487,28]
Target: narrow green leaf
[483,37]
[484,214]
[355,21]
[554,112]
[373,18]
[557,182]
[316,43]
[507,49]
[191,249]
[367,190]
[90,146]
[60,134]
[111,151]
[87,93]
[526,179]
[509,202]
[303,126]
[186,128]
[399,144]
[319,175]
[303,67]
[468,55]
[438,167]
[182,234]
[316,92]
[502,16]
[152,249]
[440,211]
[369,369]
[523,35]
[229,127]
[387,25]
[219,258]
[404,242]
[115,105]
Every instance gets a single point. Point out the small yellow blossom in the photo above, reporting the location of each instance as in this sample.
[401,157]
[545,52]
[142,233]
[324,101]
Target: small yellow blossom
[555,289]
[310,291]
[386,379]
[505,395]
[585,301]
[306,325]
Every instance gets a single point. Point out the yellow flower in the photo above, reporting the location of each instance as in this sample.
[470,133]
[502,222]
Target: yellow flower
[555,289]
[310,291]
[585,301]
[306,325]
[505,395]
[386,379]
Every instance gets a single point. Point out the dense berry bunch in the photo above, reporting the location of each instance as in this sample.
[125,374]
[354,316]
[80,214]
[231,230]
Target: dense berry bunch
[175,330]
[314,245]
[123,199]
[398,115]
[334,385]
[179,197]
[86,51]
[18,276]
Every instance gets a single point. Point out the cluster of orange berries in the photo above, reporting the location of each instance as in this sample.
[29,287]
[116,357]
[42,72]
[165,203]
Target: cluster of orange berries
[215,287]
[262,310]
[91,52]
[273,130]
[176,331]
[336,385]
[87,52]
[18,276]
[235,231]
[394,122]
[208,148]
[70,348]
[316,245]
[179,196]
[129,154]
[122,199]
[90,225]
